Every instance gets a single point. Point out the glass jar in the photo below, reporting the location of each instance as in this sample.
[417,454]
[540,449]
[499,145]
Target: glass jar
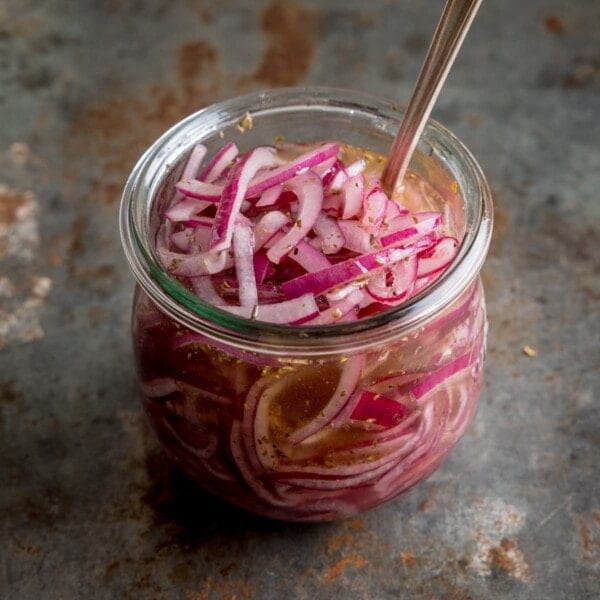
[255,412]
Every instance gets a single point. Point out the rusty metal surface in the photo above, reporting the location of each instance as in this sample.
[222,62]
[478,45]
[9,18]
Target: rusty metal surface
[88,506]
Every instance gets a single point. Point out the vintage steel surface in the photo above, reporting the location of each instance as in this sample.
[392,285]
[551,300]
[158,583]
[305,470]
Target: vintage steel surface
[88,507]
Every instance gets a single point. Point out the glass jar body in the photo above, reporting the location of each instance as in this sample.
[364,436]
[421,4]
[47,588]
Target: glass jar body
[311,439]
[309,423]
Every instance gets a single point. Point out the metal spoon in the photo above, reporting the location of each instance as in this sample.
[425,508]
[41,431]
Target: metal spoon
[447,40]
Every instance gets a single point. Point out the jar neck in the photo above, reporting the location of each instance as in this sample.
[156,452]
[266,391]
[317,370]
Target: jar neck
[150,179]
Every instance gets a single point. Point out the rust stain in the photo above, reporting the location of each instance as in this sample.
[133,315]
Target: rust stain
[427,505]
[182,572]
[584,73]
[9,395]
[355,561]
[590,537]
[194,60]
[554,24]
[337,542]
[19,235]
[21,548]
[474,120]
[290,31]
[343,536]
[508,557]
[587,544]
[56,250]
[223,590]
[366,18]
[355,524]
[408,558]
[10,203]
[97,316]
[114,129]
[76,244]
[46,509]
[101,278]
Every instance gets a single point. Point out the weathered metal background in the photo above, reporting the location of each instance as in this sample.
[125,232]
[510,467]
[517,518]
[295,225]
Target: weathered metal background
[88,507]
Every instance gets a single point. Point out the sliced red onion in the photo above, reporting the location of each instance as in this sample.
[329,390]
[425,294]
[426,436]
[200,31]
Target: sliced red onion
[332,238]
[285,172]
[288,312]
[393,209]
[342,480]
[191,239]
[427,384]
[352,468]
[243,252]
[268,293]
[159,387]
[324,169]
[247,470]
[234,193]
[206,222]
[219,162]
[358,166]
[405,228]
[332,204]
[341,292]
[200,240]
[205,289]
[437,257]
[262,267]
[309,190]
[349,378]
[267,226]
[379,409]
[309,257]
[218,469]
[194,161]
[185,209]
[181,239]
[374,208]
[192,439]
[191,167]
[194,265]
[344,272]
[338,178]
[356,237]
[270,196]
[201,190]
[393,285]
[352,194]
[338,310]
[422,282]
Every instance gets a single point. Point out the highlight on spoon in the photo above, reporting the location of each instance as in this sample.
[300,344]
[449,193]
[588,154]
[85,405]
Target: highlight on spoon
[449,35]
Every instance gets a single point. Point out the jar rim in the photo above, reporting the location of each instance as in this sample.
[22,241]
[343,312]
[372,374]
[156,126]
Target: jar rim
[190,311]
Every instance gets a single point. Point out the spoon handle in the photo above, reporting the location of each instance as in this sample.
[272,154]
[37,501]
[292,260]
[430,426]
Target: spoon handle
[447,40]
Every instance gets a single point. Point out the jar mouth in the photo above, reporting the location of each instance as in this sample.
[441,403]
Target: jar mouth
[381,118]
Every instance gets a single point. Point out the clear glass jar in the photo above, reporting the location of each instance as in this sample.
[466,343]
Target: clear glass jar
[244,407]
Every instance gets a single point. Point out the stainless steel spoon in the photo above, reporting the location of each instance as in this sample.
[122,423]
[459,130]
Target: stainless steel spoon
[447,40]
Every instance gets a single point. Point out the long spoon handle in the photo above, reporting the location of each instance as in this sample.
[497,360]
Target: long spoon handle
[447,40]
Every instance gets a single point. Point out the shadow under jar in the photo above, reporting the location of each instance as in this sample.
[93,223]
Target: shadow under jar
[309,423]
